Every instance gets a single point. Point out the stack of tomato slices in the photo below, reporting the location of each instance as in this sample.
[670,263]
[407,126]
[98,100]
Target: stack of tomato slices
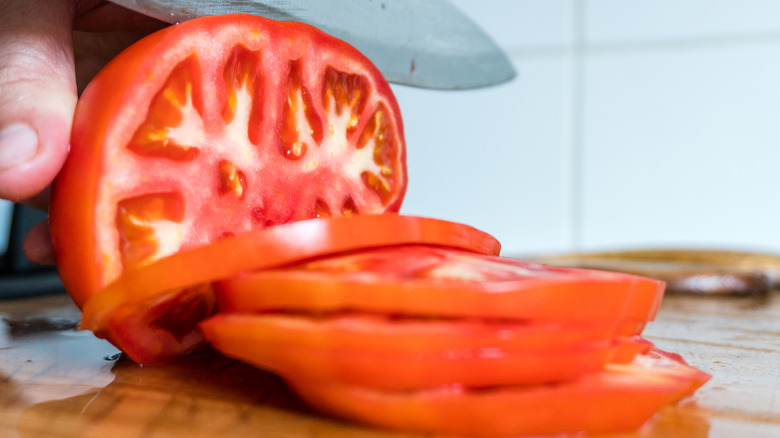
[445,340]
[152,312]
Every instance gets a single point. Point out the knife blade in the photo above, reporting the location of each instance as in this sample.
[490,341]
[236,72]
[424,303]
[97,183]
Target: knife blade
[428,44]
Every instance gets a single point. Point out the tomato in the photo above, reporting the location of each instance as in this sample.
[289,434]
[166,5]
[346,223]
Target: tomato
[670,365]
[402,333]
[418,280]
[399,353]
[610,401]
[629,347]
[214,127]
[129,311]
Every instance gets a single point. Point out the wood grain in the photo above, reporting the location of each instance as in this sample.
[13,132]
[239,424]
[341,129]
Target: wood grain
[56,382]
[686,271]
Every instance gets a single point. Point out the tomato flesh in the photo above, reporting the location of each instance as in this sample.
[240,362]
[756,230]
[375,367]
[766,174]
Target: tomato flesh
[417,280]
[211,128]
[397,353]
[439,340]
[147,287]
[215,127]
[611,401]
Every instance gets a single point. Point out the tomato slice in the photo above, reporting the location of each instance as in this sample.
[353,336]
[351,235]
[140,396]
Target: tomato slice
[428,281]
[146,289]
[398,353]
[402,333]
[611,401]
[670,365]
[218,126]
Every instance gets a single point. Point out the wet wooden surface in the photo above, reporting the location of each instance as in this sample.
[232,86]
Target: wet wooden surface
[58,382]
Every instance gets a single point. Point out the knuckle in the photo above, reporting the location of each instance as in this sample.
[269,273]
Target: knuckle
[27,68]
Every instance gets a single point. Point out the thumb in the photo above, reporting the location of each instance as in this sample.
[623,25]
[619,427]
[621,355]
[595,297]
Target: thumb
[37,94]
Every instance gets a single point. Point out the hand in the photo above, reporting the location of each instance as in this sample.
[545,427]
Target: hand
[49,49]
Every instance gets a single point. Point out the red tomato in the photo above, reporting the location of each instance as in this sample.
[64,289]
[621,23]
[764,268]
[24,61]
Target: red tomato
[616,400]
[417,280]
[400,353]
[670,365]
[135,312]
[219,126]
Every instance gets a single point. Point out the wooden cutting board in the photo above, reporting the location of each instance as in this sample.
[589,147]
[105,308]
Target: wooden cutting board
[685,271]
[56,382]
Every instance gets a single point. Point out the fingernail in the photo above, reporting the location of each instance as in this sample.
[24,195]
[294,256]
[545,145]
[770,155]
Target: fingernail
[18,143]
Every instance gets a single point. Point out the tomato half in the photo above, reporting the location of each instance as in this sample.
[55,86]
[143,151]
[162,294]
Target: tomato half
[214,127]
[134,312]
[611,401]
[418,280]
[396,353]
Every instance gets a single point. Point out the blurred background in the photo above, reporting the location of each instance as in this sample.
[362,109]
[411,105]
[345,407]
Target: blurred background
[630,124]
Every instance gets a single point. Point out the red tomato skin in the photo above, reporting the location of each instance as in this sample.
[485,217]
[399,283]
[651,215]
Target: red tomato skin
[602,402]
[276,247]
[619,399]
[391,354]
[73,223]
[128,311]
[73,194]
[404,281]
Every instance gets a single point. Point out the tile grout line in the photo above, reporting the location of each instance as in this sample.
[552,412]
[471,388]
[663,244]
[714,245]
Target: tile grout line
[642,45]
[575,170]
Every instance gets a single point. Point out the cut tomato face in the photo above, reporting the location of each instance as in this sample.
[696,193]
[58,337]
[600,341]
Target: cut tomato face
[159,330]
[603,402]
[441,282]
[397,353]
[215,127]
[147,289]
[670,365]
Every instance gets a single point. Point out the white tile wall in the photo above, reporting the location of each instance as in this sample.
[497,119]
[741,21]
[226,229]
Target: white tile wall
[474,156]
[679,147]
[631,123]
[678,21]
[499,158]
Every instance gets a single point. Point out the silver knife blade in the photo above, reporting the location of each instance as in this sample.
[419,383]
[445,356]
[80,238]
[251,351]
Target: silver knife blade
[428,44]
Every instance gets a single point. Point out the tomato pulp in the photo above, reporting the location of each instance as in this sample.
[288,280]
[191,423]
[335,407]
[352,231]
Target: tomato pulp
[215,127]
[152,312]
[409,353]
[424,280]
[618,399]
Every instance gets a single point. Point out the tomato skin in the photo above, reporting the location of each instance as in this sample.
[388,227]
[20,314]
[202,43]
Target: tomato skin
[611,401]
[107,165]
[670,365]
[117,312]
[162,330]
[418,281]
[392,353]
[399,333]
[73,193]
[279,246]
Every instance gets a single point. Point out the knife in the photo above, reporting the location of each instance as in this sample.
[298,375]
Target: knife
[428,44]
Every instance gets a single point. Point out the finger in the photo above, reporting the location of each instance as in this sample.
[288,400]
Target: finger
[37,245]
[37,94]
